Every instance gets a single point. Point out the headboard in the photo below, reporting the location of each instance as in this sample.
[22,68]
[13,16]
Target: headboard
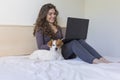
[17,40]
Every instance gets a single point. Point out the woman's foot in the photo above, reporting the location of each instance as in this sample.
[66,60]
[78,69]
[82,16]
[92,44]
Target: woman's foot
[101,60]
[96,61]
[105,60]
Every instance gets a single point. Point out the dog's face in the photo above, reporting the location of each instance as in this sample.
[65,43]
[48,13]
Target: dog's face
[55,44]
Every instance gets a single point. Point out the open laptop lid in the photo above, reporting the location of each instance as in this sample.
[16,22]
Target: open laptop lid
[77,28]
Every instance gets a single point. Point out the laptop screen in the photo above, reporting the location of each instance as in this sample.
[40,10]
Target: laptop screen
[77,28]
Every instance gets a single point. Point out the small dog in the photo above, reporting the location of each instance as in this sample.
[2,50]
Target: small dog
[53,54]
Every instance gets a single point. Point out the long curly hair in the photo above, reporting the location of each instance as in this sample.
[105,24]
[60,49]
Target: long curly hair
[41,22]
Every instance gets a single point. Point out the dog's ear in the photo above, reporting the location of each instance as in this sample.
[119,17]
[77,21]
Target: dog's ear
[50,43]
[59,43]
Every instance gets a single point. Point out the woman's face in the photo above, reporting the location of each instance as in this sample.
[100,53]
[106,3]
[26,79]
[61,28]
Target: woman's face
[51,16]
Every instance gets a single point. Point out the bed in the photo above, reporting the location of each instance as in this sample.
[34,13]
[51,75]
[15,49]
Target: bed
[15,64]
[22,68]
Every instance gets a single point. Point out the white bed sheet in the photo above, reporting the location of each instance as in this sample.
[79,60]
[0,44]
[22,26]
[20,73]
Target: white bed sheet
[22,68]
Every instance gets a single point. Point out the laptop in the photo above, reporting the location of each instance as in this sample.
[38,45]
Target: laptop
[77,28]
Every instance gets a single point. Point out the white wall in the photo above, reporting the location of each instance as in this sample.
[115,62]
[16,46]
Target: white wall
[25,12]
[104,26]
[18,12]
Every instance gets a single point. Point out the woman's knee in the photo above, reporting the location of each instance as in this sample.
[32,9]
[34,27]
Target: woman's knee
[74,42]
[81,40]
[69,44]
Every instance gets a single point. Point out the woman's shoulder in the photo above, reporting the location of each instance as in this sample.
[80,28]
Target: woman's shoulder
[38,32]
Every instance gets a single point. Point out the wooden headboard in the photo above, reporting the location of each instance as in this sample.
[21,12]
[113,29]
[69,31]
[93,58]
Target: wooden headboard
[17,40]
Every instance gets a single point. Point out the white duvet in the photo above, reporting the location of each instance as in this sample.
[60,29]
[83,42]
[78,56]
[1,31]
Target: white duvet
[21,68]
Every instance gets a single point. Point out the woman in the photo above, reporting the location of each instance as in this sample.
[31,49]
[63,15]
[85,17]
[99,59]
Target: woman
[46,28]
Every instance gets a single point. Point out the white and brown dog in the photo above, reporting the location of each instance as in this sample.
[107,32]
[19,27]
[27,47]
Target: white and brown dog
[53,54]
